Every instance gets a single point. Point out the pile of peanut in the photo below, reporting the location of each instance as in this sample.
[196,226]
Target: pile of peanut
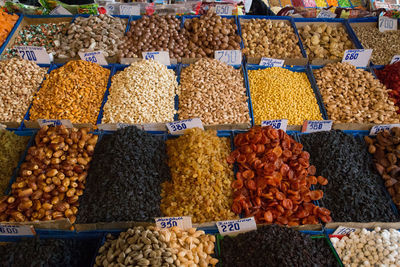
[52,177]
[354,95]
[19,80]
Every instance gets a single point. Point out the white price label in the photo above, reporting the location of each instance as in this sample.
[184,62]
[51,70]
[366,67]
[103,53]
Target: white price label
[326,14]
[276,124]
[231,57]
[357,57]
[184,222]
[316,126]
[178,127]
[66,123]
[16,230]
[130,10]
[341,230]
[224,10]
[236,226]
[94,57]
[3,127]
[60,10]
[395,59]
[160,56]
[387,24]
[123,125]
[379,128]
[271,62]
[36,54]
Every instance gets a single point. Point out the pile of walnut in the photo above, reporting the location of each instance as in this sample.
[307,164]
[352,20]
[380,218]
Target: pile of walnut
[386,150]
[52,177]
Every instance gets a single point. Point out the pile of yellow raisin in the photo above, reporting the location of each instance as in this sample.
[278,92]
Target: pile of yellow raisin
[201,177]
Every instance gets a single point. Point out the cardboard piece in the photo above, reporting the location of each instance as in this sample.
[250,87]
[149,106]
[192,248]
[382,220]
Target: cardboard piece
[63,224]
[35,125]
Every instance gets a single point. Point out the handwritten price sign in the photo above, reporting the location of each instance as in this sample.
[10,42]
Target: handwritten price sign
[276,124]
[36,54]
[357,57]
[223,10]
[16,230]
[387,24]
[178,127]
[66,123]
[230,57]
[236,226]
[94,57]
[160,56]
[316,126]
[379,128]
[271,62]
[184,222]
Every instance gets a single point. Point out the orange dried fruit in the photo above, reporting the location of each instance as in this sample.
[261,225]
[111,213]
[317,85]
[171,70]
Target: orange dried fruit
[322,180]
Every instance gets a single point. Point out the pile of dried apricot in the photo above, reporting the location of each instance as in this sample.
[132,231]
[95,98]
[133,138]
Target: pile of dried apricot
[274,179]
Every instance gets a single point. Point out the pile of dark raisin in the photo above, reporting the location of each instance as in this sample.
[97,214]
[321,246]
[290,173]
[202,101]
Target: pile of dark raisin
[355,190]
[37,252]
[125,176]
[275,245]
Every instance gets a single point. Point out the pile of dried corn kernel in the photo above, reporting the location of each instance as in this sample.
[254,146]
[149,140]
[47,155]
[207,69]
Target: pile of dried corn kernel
[201,177]
[73,92]
[281,93]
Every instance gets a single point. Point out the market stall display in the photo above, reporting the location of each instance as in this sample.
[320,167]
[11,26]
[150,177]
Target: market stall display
[385,151]
[282,93]
[390,77]
[201,177]
[71,252]
[52,177]
[274,179]
[93,33]
[158,247]
[73,92]
[46,35]
[269,38]
[124,182]
[19,81]
[155,33]
[354,95]
[205,92]
[355,192]
[211,32]
[143,92]
[276,246]
[385,44]
[324,41]
[369,248]
[11,148]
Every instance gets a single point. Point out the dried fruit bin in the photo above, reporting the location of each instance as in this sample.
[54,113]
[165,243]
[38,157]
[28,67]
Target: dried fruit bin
[381,197]
[301,22]
[226,126]
[90,247]
[21,125]
[313,234]
[303,69]
[27,20]
[388,47]
[28,123]
[7,40]
[120,67]
[288,21]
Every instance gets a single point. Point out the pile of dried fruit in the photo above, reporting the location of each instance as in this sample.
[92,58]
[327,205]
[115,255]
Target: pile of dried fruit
[390,77]
[201,177]
[274,179]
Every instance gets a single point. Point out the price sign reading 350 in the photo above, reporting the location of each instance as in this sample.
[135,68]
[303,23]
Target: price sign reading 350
[184,222]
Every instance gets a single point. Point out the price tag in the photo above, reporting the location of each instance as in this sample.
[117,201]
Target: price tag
[16,230]
[276,124]
[379,128]
[387,24]
[66,123]
[236,226]
[395,59]
[357,57]
[178,127]
[271,62]
[130,10]
[184,222]
[316,126]
[341,230]
[160,56]
[3,127]
[36,54]
[60,10]
[224,10]
[326,14]
[94,57]
[231,57]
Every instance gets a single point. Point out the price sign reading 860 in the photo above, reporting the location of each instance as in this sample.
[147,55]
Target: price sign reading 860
[230,57]
[236,226]
[316,126]
[357,57]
